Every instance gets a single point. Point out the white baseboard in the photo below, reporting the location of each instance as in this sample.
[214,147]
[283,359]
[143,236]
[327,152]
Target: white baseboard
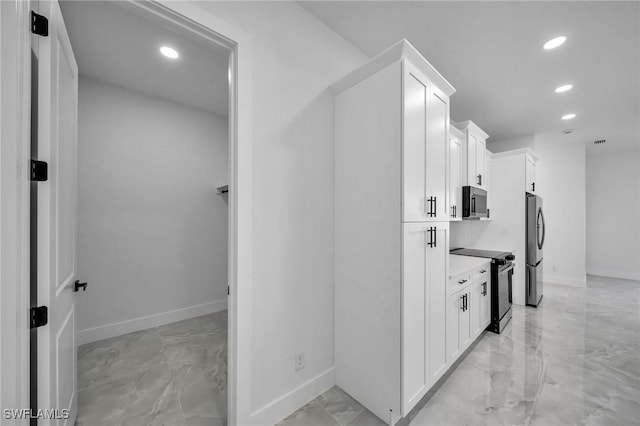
[564,280]
[615,273]
[280,408]
[119,328]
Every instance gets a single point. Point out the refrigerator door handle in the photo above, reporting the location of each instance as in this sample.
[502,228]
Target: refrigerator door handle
[541,219]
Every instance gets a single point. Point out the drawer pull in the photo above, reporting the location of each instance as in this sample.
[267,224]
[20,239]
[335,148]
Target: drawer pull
[483,271]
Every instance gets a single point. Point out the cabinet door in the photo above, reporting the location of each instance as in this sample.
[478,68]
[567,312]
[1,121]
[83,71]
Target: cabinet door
[437,154]
[455,179]
[414,152]
[472,167]
[481,152]
[464,322]
[475,309]
[415,376]
[454,307]
[437,308]
[485,303]
[530,172]
[487,182]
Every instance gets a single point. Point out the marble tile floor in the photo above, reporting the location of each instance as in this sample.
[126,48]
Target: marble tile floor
[574,360]
[173,375]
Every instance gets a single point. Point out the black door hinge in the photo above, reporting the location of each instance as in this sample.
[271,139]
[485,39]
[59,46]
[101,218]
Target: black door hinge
[39,171]
[39,24]
[39,316]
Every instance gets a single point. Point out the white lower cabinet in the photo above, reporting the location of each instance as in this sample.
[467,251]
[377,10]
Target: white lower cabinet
[464,320]
[424,361]
[458,324]
[468,311]
[437,259]
[485,305]
[476,302]
[415,295]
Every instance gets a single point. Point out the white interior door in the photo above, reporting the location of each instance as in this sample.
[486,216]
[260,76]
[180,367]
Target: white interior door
[57,205]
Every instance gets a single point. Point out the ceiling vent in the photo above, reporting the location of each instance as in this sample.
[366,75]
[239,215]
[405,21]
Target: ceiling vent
[599,142]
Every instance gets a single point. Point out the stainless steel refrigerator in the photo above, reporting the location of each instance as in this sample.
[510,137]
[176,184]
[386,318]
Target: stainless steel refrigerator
[535,242]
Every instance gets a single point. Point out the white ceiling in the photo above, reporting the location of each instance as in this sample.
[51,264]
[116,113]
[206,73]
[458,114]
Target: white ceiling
[115,44]
[492,54]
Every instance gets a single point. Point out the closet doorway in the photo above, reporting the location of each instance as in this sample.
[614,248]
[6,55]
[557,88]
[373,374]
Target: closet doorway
[151,229]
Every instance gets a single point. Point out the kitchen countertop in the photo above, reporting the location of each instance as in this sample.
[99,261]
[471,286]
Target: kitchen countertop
[460,264]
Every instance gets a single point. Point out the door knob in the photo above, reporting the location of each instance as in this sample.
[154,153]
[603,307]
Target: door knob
[77,285]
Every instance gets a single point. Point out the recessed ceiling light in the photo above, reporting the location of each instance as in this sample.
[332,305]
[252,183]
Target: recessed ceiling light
[169,52]
[564,88]
[554,42]
[568,116]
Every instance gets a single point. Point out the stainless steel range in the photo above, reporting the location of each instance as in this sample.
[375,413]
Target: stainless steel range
[501,283]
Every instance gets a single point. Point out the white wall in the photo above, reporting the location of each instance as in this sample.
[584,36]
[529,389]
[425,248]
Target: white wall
[152,233]
[613,214]
[560,181]
[295,59]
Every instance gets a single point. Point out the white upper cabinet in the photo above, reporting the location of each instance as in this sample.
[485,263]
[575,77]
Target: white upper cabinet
[481,149]
[487,182]
[456,173]
[476,147]
[414,153]
[530,173]
[426,126]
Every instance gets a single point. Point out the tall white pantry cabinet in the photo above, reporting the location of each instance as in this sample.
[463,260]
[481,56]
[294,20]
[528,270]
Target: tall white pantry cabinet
[391,230]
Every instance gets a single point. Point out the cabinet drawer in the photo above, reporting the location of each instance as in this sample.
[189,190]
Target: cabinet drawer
[459,281]
[481,274]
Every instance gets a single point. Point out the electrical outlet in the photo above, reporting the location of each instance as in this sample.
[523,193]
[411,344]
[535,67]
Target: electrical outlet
[299,361]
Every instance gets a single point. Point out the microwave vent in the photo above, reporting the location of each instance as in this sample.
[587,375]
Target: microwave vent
[599,142]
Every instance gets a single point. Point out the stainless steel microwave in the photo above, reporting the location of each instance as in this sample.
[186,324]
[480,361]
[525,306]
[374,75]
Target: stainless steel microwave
[474,203]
